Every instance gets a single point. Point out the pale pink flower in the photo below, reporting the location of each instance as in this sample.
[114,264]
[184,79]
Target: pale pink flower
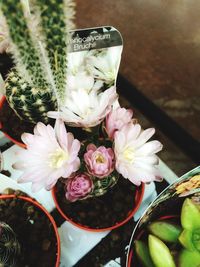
[99,161]
[78,187]
[135,157]
[51,153]
[86,109]
[116,119]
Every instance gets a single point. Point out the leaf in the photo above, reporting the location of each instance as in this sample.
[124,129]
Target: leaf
[165,231]
[160,253]
[189,258]
[190,215]
[143,254]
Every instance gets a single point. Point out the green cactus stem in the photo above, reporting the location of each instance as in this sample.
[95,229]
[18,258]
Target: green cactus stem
[38,32]
[29,103]
[23,49]
[55,26]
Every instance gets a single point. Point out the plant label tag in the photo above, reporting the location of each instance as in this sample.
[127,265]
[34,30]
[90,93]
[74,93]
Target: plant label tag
[94,58]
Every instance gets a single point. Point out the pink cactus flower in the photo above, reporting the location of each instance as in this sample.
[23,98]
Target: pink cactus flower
[99,161]
[135,157]
[51,153]
[116,119]
[78,187]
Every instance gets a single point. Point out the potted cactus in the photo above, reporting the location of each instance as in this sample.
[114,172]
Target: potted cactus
[98,183]
[96,158]
[27,232]
[170,227]
[9,246]
[37,34]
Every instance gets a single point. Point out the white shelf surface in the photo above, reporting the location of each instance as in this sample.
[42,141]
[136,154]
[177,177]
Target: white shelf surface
[75,242]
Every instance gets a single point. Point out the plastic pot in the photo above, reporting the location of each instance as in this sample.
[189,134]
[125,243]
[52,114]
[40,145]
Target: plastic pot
[39,206]
[131,256]
[167,206]
[2,101]
[136,204]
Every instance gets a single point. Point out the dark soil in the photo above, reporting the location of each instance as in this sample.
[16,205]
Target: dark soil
[100,212]
[34,232]
[11,123]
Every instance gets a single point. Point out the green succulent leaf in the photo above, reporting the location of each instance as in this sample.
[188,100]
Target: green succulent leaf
[196,239]
[165,231]
[143,254]
[189,258]
[160,253]
[186,239]
[190,215]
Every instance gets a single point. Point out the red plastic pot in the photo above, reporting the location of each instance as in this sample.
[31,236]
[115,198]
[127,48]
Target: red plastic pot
[2,101]
[35,203]
[137,200]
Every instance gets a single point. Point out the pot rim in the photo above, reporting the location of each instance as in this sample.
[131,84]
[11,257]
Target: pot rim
[2,101]
[138,199]
[38,205]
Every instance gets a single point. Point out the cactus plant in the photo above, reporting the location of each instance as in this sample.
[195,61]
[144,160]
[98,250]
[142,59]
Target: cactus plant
[38,34]
[9,246]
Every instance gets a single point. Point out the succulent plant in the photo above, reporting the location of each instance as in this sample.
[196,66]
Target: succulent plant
[38,31]
[179,245]
[9,246]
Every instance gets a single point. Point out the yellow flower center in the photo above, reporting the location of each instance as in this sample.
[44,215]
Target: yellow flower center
[86,112]
[100,159]
[129,154]
[57,158]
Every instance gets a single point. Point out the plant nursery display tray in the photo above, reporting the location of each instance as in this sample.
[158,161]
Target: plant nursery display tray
[80,247]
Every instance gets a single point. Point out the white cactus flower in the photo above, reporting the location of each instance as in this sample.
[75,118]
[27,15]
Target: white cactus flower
[86,109]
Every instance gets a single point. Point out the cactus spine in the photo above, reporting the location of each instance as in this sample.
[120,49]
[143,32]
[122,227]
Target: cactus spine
[9,246]
[39,47]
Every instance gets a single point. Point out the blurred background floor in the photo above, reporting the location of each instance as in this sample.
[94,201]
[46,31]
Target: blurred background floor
[161,58]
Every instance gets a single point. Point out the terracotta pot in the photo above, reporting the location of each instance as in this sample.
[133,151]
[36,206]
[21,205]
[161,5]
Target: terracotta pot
[2,101]
[137,201]
[167,206]
[39,206]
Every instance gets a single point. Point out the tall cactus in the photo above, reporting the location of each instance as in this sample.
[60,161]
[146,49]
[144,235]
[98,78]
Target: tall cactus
[39,38]
[55,33]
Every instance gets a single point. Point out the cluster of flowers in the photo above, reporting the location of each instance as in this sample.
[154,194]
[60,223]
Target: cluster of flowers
[91,87]
[89,168]
[53,153]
